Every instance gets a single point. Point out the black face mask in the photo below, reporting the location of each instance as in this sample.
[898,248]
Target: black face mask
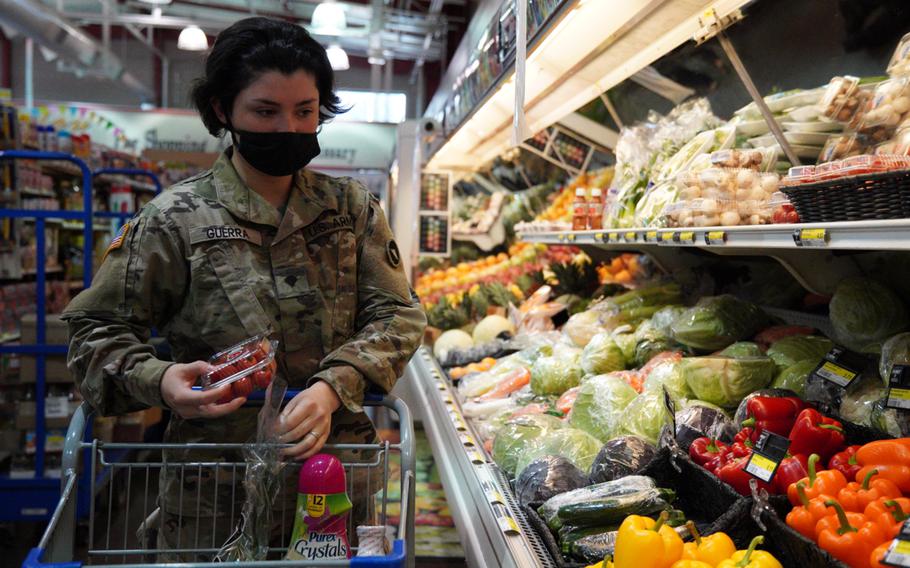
[276,153]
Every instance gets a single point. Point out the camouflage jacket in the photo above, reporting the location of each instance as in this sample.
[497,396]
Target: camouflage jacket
[209,263]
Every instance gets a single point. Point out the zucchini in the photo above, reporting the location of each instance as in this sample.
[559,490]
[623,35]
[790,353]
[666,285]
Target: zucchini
[593,548]
[611,510]
[568,534]
[624,486]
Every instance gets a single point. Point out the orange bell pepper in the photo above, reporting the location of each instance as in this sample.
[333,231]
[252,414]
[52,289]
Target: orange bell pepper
[850,538]
[890,457]
[875,559]
[889,514]
[855,495]
[803,519]
[824,482]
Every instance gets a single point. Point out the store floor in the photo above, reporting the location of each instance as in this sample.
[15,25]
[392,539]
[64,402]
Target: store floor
[19,538]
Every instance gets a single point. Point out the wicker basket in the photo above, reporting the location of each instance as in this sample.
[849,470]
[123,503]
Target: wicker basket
[859,198]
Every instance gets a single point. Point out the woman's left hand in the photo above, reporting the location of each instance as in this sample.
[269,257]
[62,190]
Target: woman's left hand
[306,421]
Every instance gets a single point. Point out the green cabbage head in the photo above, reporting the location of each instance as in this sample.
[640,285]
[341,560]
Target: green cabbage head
[600,405]
[864,313]
[602,355]
[725,381]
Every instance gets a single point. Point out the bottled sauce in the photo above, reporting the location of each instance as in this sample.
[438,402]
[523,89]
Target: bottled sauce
[595,210]
[580,210]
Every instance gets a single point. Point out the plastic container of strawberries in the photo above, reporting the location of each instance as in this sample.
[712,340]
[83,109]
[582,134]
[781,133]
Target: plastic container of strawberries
[247,366]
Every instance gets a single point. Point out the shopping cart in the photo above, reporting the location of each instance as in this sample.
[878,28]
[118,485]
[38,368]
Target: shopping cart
[106,545]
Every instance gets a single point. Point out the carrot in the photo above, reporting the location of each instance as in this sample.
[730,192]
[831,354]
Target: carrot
[510,383]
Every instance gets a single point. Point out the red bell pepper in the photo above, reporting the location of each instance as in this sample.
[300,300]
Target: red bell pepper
[775,414]
[845,462]
[742,442]
[814,433]
[704,449]
[735,475]
[792,469]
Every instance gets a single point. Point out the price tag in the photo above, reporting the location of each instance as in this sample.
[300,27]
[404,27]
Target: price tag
[899,388]
[716,238]
[598,237]
[466,439]
[770,449]
[899,552]
[571,238]
[56,407]
[840,367]
[666,238]
[561,237]
[811,237]
[651,237]
[476,458]
[504,519]
[684,237]
[493,494]
[631,237]
[613,237]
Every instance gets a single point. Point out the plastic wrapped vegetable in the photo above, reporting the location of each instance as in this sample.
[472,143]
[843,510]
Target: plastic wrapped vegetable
[865,313]
[621,457]
[700,419]
[517,434]
[602,355]
[646,416]
[654,336]
[890,420]
[484,409]
[857,405]
[556,374]
[547,477]
[575,445]
[600,405]
[624,337]
[717,321]
[725,381]
[625,486]
[794,377]
[794,349]
[582,327]
[668,375]
[742,349]
[895,351]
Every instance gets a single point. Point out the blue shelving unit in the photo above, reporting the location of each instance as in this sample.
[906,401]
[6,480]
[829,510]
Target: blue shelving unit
[34,499]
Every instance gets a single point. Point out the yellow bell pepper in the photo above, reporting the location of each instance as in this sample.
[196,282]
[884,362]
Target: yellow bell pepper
[751,558]
[710,549]
[643,542]
[602,564]
[687,563]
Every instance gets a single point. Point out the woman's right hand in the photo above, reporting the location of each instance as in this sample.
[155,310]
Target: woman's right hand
[177,392]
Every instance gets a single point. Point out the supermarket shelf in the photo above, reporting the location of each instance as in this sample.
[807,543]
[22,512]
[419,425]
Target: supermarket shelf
[135,184]
[46,221]
[60,167]
[49,270]
[36,192]
[492,530]
[887,235]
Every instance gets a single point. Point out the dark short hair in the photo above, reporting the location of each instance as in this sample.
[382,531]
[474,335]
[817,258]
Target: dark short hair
[251,47]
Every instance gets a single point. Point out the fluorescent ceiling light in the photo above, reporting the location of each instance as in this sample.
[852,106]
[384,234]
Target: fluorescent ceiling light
[329,19]
[156,2]
[192,38]
[338,57]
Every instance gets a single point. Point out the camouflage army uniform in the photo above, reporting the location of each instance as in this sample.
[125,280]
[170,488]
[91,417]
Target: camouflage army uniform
[209,263]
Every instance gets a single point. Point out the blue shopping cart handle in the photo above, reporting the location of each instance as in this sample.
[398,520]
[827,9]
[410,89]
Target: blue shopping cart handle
[259,395]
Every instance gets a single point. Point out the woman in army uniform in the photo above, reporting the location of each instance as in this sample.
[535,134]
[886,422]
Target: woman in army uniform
[258,244]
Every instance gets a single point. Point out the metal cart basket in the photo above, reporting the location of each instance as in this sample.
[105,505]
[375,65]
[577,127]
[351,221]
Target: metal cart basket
[124,546]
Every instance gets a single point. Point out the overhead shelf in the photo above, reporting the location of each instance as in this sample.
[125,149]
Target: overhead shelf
[887,235]
[593,47]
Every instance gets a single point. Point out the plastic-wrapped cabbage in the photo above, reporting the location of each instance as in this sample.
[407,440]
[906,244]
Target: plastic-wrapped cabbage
[668,375]
[794,377]
[889,420]
[517,434]
[582,327]
[484,409]
[725,381]
[857,406]
[646,416]
[476,384]
[547,477]
[895,351]
[717,321]
[600,406]
[742,411]
[624,337]
[487,429]
[864,313]
[742,349]
[621,457]
[654,336]
[602,355]
[557,373]
[794,349]
[575,445]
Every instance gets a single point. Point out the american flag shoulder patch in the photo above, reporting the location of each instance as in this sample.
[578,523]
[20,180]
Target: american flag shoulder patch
[118,240]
